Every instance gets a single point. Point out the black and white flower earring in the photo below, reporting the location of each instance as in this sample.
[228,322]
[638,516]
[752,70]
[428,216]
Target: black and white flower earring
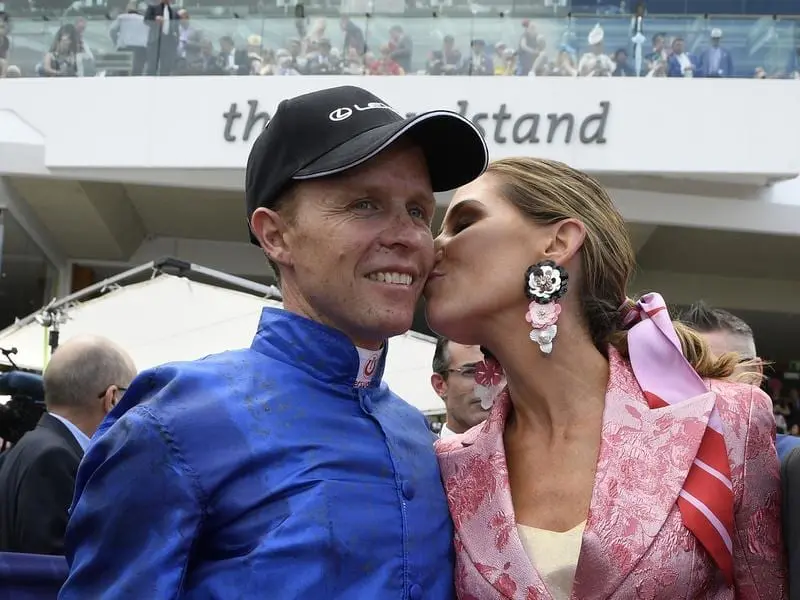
[545,283]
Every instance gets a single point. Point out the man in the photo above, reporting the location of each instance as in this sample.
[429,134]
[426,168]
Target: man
[725,332]
[453,380]
[163,37]
[715,61]
[84,380]
[287,470]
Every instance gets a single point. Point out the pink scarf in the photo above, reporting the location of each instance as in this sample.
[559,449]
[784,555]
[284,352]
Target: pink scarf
[666,377]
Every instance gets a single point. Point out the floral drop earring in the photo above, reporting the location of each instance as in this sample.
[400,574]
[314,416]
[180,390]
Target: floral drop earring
[545,283]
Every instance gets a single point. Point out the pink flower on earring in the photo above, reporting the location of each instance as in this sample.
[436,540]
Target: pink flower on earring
[542,315]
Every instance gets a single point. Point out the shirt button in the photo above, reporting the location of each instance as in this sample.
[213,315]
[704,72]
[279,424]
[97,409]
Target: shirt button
[408,492]
[366,404]
[415,592]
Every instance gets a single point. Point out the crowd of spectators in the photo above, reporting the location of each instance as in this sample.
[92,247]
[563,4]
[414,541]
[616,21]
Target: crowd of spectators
[163,40]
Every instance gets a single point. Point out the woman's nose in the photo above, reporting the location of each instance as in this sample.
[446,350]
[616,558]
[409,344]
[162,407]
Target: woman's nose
[438,248]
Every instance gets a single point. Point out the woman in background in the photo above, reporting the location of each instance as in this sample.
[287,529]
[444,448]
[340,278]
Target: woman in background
[616,463]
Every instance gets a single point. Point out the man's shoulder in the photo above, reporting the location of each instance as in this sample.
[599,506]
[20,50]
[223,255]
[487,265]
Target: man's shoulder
[38,447]
[200,391]
[37,441]
[212,369]
[787,444]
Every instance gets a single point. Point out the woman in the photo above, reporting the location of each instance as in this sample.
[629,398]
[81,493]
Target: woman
[61,60]
[610,466]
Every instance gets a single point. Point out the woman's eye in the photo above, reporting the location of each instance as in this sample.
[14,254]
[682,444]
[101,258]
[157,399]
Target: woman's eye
[460,226]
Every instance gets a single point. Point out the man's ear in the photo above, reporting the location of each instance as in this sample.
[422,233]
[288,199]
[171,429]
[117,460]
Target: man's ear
[439,385]
[109,399]
[270,229]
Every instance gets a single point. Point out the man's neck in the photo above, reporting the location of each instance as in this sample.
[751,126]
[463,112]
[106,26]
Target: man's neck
[86,425]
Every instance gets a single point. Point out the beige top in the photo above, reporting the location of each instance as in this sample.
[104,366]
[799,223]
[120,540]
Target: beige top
[555,556]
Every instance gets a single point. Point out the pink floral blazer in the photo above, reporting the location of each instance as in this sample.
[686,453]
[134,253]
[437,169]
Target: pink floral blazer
[635,545]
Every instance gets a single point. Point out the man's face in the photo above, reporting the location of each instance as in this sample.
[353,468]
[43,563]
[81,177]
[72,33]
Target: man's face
[357,248]
[721,342]
[457,388]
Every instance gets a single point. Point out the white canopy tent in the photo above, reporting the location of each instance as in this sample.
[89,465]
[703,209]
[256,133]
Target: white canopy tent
[172,318]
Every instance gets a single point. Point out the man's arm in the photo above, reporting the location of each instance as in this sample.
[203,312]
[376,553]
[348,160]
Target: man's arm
[45,493]
[136,514]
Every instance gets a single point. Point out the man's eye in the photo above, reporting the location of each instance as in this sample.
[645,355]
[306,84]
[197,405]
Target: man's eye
[418,213]
[364,205]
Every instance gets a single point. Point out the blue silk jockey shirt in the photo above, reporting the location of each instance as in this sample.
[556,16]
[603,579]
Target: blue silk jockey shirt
[261,474]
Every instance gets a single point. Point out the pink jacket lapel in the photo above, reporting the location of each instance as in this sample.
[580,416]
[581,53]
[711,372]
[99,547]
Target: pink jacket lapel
[475,475]
[644,458]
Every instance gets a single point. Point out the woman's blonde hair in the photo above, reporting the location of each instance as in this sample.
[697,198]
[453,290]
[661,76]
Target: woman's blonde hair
[547,191]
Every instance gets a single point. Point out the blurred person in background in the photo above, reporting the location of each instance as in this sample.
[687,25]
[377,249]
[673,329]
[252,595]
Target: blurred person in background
[25,406]
[163,37]
[129,34]
[453,380]
[83,381]
[622,67]
[61,60]
[5,46]
[715,61]
[725,332]
[84,58]
[681,63]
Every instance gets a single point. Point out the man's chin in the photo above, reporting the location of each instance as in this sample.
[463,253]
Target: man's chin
[383,324]
[397,326]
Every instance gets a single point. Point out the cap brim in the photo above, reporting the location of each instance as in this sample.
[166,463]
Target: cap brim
[454,148]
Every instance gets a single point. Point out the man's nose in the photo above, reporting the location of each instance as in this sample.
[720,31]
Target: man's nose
[406,231]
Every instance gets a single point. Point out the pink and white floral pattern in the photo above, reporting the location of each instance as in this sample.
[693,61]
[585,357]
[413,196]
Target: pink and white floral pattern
[635,544]
[488,372]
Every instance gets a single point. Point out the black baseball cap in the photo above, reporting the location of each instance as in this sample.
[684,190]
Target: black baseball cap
[330,131]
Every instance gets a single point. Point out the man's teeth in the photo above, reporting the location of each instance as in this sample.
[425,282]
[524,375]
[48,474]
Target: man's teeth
[396,278]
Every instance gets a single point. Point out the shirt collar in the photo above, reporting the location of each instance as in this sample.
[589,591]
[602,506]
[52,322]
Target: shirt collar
[446,432]
[80,437]
[324,352]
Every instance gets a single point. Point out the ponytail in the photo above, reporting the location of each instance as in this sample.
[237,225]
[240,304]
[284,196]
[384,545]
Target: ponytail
[696,350]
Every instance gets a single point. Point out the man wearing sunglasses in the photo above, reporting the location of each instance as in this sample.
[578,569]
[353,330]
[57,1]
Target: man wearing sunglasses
[453,380]
[82,383]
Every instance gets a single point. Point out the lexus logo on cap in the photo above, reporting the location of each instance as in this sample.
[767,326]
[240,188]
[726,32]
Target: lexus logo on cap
[340,114]
[345,112]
